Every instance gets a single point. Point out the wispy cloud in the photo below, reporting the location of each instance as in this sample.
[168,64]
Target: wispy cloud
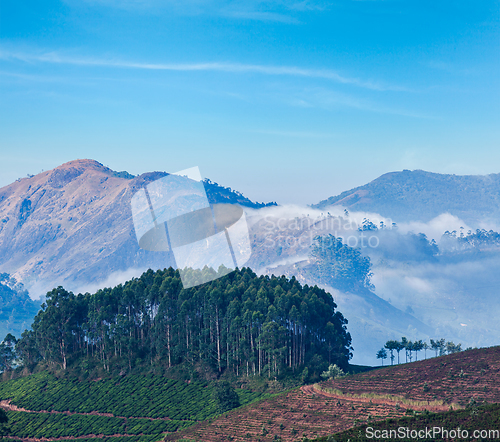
[283,11]
[327,74]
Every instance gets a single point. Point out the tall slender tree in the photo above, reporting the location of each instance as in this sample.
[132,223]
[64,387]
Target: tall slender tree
[391,346]
[239,322]
[382,354]
[400,346]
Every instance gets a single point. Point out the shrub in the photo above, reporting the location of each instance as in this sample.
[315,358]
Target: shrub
[225,396]
[333,372]
[3,424]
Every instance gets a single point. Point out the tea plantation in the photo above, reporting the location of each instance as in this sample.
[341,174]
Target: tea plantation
[144,406]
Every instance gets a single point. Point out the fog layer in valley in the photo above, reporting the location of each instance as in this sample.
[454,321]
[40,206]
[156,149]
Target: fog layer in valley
[425,284]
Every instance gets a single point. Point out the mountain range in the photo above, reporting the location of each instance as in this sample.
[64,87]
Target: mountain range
[421,196]
[72,226]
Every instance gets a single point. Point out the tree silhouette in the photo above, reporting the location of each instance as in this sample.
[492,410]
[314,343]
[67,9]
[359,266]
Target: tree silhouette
[452,348]
[425,347]
[438,346]
[7,352]
[404,344]
[418,346]
[399,346]
[382,354]
[391,346]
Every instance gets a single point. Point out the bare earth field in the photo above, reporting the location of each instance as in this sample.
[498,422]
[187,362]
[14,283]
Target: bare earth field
[333,406]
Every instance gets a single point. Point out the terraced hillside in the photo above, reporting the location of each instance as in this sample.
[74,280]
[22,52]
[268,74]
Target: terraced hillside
[335,406]
[150,408]
[288,417]
[42,406]
[450,379]
[476,423]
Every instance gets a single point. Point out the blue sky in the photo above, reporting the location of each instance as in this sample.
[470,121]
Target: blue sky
[292,101]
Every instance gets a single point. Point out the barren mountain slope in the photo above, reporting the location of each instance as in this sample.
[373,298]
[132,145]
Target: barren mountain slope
[72,226]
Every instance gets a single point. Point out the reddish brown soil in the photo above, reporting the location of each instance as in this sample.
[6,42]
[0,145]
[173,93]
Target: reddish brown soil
[430,405]
[454,378]
[306,411]
[290,416]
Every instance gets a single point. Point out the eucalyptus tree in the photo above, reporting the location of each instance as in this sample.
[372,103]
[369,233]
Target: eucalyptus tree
[399,346]
[418,346]
[425,347]
[405,344]
[239,322]
[392,346]
[453,348]
[7,352]
[382,354]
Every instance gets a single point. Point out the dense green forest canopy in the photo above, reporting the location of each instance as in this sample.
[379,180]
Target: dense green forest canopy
[239,323]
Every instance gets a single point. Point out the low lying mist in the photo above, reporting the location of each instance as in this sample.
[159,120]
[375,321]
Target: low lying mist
[449,282]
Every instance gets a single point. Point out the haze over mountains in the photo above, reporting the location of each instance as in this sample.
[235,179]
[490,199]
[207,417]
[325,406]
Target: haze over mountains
[72,226]
[421,196]
[17,309]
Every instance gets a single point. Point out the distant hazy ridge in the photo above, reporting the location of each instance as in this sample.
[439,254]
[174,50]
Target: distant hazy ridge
[420,196]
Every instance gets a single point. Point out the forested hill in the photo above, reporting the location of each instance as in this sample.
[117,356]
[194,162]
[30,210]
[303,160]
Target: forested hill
[239,323]
[218,194]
